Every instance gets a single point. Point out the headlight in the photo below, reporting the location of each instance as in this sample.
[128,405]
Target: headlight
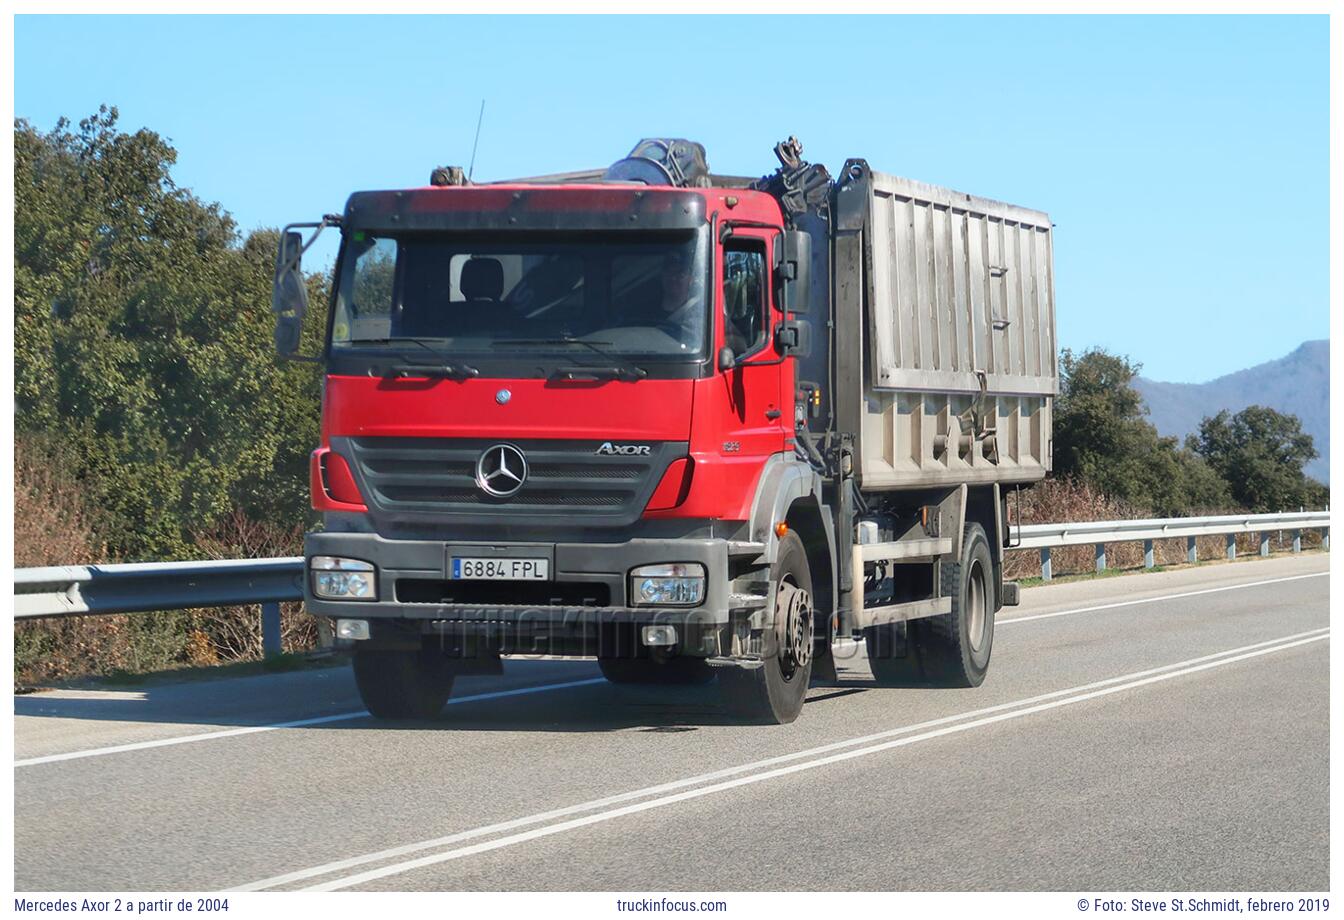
[343,579]
[679,584]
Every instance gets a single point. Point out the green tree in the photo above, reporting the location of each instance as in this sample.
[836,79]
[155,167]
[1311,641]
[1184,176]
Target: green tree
[143,339]
[1103,437]
[1201,488]
[1260,453]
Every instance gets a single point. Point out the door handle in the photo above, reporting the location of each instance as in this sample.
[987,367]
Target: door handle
[773,414]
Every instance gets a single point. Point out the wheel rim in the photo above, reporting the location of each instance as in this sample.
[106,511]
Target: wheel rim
[977,613]
[793,608]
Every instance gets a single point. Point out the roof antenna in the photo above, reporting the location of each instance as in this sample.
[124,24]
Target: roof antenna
[472,167]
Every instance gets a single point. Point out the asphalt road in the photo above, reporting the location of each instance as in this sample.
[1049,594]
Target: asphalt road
[1157,732]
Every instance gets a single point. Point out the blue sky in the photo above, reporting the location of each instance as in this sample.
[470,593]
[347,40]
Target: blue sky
[1184,160]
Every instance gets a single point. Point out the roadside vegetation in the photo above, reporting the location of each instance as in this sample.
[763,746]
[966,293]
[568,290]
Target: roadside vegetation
[153,421]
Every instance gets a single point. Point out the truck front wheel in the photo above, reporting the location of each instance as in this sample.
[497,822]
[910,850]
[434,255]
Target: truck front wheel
[773,694]
[403,684]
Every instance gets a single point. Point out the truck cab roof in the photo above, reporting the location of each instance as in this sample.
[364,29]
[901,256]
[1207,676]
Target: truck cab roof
[590,205]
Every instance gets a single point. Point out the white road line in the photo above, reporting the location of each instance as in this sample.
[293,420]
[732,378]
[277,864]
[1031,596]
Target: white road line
[1153,600]
[394,852]
[298,723]
[437,858]
[409,865]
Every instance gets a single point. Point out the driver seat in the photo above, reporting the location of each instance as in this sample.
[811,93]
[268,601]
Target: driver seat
[482,286]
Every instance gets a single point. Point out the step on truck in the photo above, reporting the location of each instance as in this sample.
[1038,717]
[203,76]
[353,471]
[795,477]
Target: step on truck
[695,426]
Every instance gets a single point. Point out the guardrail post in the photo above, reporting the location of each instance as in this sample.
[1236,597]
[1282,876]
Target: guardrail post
[1325,539]
[270,628]
[1147,554]
[1101,557]
[1231,546]
[1264,544]
[1046,573]
[1297,541]
[1191,550]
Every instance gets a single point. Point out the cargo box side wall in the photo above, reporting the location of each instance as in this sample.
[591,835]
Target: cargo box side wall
[958,339]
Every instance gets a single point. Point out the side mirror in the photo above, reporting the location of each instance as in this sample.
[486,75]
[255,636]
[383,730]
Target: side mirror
[793,273]
[727,360]
[289,295]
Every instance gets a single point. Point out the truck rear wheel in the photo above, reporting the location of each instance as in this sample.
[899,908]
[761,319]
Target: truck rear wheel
[773,694]
[951,650]
[954,648]
[667,671]
[403,684]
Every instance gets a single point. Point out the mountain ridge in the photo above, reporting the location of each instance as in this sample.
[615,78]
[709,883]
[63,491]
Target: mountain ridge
[1298,383]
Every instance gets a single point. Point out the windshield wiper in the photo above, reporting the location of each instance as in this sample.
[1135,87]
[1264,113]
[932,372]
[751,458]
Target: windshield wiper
[625,372]
[411,369]
[432,370]
[422,342]
[583,372]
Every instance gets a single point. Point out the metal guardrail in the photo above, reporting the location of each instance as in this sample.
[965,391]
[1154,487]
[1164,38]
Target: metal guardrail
[1099,533]
[90,590]
[141,587]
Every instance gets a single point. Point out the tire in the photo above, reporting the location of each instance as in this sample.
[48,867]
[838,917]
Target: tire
[403,684]
[954,648]
[681,671]
[951,650]
[773,694]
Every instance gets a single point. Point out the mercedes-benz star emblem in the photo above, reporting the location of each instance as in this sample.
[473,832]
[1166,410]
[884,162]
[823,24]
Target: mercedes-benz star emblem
[503,396]
[502,470]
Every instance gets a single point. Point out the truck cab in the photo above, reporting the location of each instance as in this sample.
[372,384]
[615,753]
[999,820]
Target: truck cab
[546,412]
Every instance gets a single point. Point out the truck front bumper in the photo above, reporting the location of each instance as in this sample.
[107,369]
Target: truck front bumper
[582,609]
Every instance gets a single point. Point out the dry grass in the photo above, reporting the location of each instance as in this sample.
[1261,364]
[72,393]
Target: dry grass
[54,524]
[234,633]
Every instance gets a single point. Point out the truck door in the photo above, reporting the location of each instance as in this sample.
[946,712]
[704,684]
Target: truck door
[756,412]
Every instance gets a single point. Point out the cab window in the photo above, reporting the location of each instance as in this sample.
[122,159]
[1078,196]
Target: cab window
[744,295]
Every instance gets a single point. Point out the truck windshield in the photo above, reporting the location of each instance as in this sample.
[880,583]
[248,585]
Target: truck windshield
[638,294]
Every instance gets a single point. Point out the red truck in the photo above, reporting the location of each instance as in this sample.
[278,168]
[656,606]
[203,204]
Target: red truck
[692,425]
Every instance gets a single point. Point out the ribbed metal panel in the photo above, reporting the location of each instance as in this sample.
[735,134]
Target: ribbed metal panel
[960,284]
[960,325]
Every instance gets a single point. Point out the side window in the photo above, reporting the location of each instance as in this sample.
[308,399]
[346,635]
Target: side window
[368,314]
[374,271]
[744,295]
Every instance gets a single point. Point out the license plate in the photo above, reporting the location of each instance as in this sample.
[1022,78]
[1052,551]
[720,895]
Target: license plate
[500,569]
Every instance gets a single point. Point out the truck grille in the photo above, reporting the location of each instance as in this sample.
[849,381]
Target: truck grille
[419,477]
